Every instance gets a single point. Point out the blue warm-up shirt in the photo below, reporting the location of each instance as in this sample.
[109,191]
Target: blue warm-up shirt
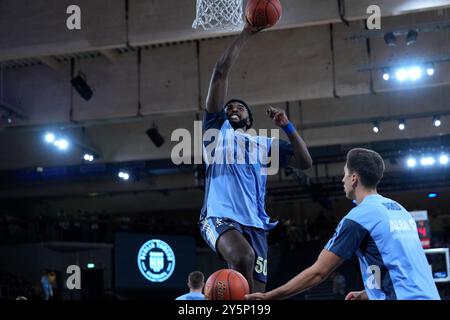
[192,296]
[384,237]
[237,190]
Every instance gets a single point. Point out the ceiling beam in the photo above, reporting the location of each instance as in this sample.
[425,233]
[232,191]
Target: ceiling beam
[51,62]
[111,54]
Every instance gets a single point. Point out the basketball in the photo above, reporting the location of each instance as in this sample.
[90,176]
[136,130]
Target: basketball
[263,13]
[226,284]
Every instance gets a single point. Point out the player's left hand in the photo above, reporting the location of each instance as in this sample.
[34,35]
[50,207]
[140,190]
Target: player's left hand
[278,116]
[256,296]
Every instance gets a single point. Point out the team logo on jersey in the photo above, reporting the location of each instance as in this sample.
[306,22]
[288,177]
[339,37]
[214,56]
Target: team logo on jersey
[156,260]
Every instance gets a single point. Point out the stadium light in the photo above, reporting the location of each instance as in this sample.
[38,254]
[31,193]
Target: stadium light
[49,137]
[124,175]
[436,121]
[411,162]
[376,127]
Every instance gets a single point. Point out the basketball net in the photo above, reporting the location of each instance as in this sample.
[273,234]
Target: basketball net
[219,14]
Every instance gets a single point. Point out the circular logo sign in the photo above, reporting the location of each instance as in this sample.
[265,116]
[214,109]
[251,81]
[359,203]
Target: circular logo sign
[156,260]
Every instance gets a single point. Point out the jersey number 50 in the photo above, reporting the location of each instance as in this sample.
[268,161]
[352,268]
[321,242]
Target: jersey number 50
[261,266]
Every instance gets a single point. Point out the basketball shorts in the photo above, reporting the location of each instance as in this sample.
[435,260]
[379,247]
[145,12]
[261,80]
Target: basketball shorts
[211,228]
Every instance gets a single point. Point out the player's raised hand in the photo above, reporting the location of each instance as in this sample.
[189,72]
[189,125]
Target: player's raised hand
[256,296]
[278,116]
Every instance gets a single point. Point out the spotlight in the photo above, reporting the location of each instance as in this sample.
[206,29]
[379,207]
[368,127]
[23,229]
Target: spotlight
[401,125]
[436,121]
[386,75]
[81,86]
[411,162]
[423,161]
[390,39]
[88,157]
[443,159]
[401,74]
[427,161]
[411,37]
[49,137]
[155,136]
[62,144]
[376,127]
[414,73]
[430,70]
[124,175]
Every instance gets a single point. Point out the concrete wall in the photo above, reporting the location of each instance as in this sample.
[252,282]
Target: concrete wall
[38,28]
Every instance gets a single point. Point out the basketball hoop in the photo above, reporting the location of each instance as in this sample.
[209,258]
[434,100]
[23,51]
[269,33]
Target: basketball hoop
[219,14]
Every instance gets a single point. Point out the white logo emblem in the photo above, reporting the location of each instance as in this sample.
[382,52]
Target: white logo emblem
[156,260]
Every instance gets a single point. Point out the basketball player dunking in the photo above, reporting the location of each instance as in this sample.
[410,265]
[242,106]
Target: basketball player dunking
[233,220]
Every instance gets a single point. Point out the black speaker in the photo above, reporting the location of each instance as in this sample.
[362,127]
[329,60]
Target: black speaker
[81,86]
[155,136]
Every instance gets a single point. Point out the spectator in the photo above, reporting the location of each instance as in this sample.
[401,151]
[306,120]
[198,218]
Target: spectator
[47,288]
[196,281]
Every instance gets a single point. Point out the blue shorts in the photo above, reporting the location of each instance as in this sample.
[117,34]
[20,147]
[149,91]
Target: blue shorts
[211,228]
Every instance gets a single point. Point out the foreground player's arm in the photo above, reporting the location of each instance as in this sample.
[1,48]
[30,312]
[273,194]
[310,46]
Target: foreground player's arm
[302,158]
[309,278]
[218,85]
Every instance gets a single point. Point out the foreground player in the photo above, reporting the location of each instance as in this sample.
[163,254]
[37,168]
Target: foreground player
[380,232]
[233,220]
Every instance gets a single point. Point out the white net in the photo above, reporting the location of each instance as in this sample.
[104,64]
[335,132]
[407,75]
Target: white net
[219,14]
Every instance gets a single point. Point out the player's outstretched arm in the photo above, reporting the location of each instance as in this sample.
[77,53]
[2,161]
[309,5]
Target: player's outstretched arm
[218,85]
[302,158]
[326,263]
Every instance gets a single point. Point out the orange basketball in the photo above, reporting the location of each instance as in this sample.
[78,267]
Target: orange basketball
[226,284]
[263,13]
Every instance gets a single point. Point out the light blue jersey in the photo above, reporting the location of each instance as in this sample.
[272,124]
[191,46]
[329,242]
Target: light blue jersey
[192,296]
[237,190]
[384,237]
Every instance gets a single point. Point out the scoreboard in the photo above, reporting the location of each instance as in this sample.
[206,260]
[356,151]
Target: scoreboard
[423,227]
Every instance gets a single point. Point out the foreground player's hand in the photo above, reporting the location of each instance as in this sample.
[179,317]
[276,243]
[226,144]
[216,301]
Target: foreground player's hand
[278,116]
[355,295]
[256,296]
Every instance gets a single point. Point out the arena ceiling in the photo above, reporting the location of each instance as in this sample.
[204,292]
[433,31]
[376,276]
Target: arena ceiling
[147,65]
